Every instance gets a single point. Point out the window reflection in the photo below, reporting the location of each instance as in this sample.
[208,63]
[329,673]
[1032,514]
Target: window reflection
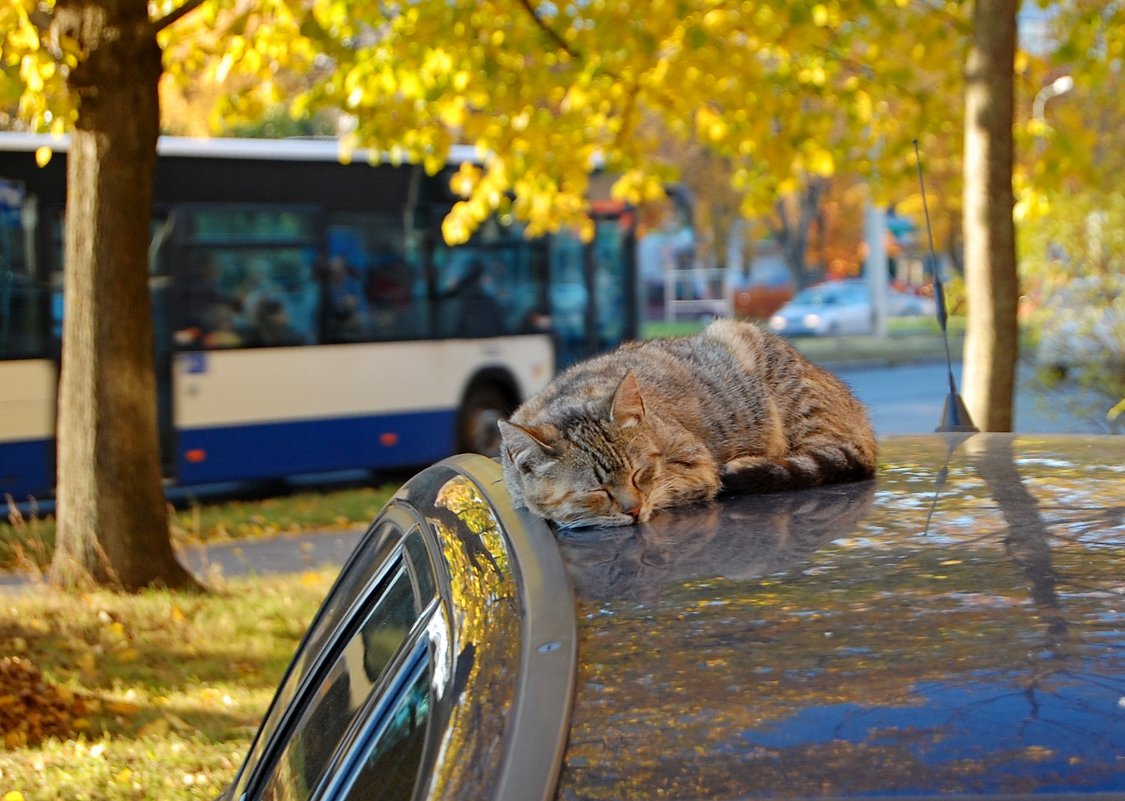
[390,770]
[342,691]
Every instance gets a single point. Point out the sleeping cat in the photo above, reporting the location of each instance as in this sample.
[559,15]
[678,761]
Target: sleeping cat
[664,422]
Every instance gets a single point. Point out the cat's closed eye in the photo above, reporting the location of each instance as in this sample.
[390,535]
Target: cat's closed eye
[645,474]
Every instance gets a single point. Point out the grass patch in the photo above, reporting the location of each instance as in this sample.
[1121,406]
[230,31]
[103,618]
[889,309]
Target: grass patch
[27,540]
[652,329]
[165,689]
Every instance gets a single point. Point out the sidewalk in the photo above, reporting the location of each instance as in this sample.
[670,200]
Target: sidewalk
[286,553]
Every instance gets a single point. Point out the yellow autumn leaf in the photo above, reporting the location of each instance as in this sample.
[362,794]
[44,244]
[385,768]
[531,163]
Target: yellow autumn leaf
[116,706]
[158,727]
[43,156]
[821,163]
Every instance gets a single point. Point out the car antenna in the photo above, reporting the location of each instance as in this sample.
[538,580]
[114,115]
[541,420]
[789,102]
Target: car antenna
[954,417]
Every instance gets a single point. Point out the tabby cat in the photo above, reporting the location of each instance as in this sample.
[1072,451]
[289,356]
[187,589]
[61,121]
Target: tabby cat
[664,422]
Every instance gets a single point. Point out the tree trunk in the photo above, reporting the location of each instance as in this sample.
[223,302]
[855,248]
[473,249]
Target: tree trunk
[991,283]
[790,225]
[112,521]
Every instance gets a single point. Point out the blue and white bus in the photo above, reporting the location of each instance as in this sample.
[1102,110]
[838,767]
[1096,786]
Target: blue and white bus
[309,317]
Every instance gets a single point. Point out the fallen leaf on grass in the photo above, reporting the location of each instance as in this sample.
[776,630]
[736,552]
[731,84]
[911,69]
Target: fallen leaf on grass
[32,708]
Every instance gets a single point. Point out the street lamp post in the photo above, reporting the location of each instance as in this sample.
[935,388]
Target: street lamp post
[1059,86]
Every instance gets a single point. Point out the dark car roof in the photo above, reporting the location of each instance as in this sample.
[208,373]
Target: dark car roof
[956,626]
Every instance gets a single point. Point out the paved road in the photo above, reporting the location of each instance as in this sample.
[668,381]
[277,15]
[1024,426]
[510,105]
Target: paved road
[909,399]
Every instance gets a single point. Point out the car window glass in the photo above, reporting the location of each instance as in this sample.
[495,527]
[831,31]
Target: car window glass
[342,690]
[390,768]
[377,548]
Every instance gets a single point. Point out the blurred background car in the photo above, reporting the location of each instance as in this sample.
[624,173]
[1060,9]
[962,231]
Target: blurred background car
[842,307]
[950,629]
[1083,324]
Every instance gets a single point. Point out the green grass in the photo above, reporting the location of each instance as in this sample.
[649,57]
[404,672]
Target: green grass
[27,541]
[150,696]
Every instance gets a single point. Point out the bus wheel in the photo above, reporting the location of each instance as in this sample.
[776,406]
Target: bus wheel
[477,429]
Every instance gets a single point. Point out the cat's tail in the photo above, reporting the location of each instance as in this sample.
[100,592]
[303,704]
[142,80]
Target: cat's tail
[827,464]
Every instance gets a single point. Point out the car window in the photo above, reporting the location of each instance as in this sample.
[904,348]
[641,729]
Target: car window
[343,688]
[392,749]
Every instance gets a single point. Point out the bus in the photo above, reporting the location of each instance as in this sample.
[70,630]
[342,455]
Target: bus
[309,318]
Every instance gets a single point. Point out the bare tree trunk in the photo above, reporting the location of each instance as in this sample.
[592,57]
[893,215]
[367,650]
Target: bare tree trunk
[112,521]
[991,283]
[791,224]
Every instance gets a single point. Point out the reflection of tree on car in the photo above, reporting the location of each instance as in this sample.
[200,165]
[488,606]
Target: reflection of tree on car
[891,647]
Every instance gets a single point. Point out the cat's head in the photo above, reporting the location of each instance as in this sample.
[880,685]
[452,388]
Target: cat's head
[595,466]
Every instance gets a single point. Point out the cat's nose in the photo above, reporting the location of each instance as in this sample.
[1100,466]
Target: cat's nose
[630,503]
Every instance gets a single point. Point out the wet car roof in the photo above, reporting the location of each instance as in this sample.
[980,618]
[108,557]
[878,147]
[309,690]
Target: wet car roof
[956,626]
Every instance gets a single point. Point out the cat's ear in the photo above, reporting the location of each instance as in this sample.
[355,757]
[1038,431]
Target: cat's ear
[628,407]
[521,442]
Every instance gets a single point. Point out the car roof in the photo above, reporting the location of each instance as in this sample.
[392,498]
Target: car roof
[956,626]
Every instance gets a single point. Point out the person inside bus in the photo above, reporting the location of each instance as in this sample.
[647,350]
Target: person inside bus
[272,328]
[347,315]
[479,314]
[387,290]
[259,288]
[197,291]
[220,328]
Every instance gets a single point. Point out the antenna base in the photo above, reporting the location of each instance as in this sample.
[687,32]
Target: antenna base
[955,417]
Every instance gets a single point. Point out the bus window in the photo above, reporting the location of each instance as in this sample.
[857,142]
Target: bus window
[246,278]
[491,286]
[569,298]
[375,288]
[611,280]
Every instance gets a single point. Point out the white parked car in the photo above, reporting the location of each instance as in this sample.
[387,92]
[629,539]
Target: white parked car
[841,307]
[1083,324]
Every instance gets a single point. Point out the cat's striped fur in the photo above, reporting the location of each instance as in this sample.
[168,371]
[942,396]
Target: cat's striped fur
[664,422]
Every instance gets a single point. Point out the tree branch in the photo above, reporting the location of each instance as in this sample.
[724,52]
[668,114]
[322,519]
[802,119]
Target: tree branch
[175,16]
[551,33]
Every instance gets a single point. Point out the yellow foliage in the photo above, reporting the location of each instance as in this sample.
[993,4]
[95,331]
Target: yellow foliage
[779,93]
